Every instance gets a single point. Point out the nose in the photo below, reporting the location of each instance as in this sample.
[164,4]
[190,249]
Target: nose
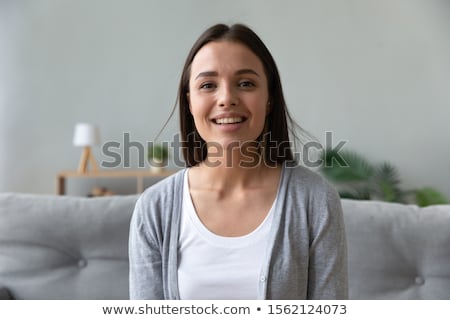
[227,96]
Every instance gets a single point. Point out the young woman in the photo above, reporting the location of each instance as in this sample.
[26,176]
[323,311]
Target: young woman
[243,220]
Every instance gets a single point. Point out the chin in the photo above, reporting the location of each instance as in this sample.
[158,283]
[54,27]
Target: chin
[230,144]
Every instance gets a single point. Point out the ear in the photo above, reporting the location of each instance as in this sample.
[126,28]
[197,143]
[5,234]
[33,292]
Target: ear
[268,108]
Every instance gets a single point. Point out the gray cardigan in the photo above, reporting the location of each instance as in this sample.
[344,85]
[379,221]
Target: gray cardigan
[307,257]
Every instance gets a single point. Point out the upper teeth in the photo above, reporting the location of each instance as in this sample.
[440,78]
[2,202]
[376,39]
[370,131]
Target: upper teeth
[229,120]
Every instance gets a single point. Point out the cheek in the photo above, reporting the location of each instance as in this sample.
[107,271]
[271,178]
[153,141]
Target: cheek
[198,104]
[199,111]
[259,106]
[194,106]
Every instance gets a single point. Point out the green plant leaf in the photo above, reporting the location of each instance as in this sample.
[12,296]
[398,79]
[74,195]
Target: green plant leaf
[345,166]
[388,192]
[429,196]
[388,173]
[158,151]
[355,178]
[355,194]
[387,183]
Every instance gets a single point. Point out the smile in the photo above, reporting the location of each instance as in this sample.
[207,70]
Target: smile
[231,120]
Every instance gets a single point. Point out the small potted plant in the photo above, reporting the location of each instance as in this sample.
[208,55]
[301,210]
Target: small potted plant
[158,155]
[361,180]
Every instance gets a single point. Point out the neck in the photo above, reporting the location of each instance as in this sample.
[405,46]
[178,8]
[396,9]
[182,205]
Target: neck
[234,168]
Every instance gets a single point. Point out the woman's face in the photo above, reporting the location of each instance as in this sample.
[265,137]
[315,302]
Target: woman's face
[228,93]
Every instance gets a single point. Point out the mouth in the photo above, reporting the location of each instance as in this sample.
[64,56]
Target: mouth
[229,120]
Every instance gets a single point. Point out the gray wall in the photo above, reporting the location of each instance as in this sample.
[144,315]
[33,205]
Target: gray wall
[376,73]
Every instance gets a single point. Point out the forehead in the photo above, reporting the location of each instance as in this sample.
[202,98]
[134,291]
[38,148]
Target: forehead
[225,56]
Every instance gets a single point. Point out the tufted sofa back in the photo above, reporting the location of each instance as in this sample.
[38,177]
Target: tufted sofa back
[397,251]
[59,247]
[55,247]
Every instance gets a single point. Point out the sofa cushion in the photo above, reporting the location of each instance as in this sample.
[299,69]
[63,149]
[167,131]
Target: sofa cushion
[397,251]
[61,247]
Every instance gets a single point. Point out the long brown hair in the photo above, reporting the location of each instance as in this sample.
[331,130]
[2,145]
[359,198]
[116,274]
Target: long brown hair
[276,130]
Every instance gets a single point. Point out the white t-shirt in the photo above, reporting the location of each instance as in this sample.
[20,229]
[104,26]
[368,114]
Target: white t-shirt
[216,267]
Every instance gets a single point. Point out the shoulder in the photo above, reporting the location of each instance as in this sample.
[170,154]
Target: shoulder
[309,190]
[306,188]
[300,178]
[158,198]
[163,189]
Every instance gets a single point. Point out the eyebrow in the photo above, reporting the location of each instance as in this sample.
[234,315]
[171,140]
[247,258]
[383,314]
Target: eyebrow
[215,74]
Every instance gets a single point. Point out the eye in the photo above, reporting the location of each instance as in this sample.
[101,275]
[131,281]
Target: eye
[246,84]
[207,85]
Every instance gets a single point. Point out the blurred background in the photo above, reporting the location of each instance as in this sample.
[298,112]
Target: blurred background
[374,73]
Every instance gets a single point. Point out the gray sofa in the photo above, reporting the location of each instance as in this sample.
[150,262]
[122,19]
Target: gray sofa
[60,247]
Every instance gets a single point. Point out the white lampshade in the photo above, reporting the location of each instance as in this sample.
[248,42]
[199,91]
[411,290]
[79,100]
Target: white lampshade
[86,135]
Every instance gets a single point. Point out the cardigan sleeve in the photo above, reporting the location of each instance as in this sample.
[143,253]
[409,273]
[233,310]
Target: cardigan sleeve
[327,271]
[146,275]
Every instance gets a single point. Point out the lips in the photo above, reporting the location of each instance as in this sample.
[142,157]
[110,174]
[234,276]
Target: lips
[229,120]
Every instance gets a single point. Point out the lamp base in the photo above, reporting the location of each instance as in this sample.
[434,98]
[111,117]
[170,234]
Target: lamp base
[87,156]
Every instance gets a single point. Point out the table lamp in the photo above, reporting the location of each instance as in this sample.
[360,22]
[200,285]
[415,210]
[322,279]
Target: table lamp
[86,135]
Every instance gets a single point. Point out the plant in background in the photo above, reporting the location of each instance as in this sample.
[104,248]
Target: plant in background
[427,196]
[357,178]
[158,155]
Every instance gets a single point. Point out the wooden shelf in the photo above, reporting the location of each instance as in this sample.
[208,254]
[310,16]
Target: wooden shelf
[139,175]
